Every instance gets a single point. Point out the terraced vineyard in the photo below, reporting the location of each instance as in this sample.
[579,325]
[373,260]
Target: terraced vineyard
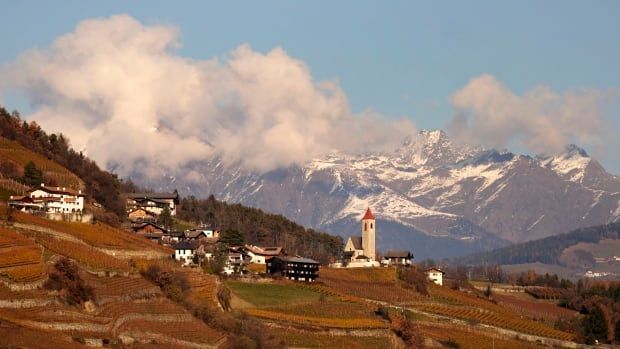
[287,302]
[120,287]
[202,287]
[15,336]
[547,312]
[378,284]
[468,339]
[20,156]
[154,320]
[81,253]
[97,235]
[20,258]
[314,339]
[466,307]
[347,323]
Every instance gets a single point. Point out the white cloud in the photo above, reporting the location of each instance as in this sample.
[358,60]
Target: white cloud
[541,120]
[117,88]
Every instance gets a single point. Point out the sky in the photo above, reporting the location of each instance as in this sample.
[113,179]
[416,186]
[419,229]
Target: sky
[527,75]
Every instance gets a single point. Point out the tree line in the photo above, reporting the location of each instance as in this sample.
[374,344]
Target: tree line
[261,228]
[547,250]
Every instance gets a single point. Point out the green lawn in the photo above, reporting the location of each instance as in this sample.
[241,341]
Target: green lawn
[270,295]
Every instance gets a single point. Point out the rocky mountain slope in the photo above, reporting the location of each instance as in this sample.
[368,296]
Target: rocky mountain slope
[430,195]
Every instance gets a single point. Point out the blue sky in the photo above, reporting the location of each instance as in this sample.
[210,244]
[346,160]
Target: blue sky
[400,58]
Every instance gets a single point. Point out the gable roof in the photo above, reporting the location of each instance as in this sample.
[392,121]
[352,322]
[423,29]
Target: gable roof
[142,225]
[357,242]
[192,234]
[184,245]
[434,269]
[152,196]
[265,251]
[368,215]
[399,254]
[58,190]
[298,260]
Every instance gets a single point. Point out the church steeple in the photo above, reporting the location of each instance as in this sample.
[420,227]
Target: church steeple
[368,235]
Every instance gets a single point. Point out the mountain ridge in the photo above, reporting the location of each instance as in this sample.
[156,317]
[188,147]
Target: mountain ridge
[466,194]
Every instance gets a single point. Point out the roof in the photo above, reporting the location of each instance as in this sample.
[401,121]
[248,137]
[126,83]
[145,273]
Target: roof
[58,190]
[142,225]
[435,269]
[174,196]
[265,251]
[184,245]
[20,198]
[357,242]
[361,257]
[157,201]
[399,254]
[152,235]
[368,215]
[192,234]
[298,260]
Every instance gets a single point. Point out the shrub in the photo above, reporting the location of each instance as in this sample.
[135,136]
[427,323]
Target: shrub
[174,284]
[66,279]
[415,279]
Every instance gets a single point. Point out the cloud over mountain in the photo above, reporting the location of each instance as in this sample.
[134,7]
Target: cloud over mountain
[120,91]
[541,120]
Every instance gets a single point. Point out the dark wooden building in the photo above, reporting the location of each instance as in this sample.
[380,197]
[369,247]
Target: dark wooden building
[294,268]
[397,258]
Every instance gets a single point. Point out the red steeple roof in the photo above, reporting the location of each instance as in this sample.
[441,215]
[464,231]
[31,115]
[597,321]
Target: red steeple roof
[368,215]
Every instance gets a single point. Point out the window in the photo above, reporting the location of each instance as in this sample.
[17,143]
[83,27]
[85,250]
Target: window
[370,225]
[365,226]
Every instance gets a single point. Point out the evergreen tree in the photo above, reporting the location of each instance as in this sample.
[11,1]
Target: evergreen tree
[165,218]
[594,326]
[32,175]
[231,237]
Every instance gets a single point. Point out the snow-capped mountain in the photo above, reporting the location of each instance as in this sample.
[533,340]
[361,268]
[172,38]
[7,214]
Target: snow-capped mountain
[429,195]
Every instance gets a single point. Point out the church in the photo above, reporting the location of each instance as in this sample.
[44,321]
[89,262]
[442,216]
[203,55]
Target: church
[359,251]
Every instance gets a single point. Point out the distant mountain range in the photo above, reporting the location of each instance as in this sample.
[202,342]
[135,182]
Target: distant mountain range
[430,195]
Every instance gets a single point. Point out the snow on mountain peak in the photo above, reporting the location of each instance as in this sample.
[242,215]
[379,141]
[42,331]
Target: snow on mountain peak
[570,164]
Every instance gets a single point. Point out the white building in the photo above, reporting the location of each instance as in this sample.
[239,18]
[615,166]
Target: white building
[435,275]
[50,199]
[152,202]
[236,262]
[359,251]
[184,252]
[260,255]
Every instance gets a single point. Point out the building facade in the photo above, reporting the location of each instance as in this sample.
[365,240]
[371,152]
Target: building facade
[51,200]
[359,251]
[435,275]
[152,203]
[294,268]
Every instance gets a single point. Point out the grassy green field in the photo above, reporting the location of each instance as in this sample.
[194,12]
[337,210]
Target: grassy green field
[272,295]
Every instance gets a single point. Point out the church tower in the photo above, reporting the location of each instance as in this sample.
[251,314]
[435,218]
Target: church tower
[368,235]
